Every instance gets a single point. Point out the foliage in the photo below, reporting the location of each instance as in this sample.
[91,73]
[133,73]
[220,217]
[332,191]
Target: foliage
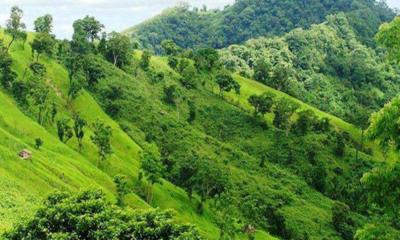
[118,49]
[121,183]
[245,19]
[101,138]
[262,104]
[385,125]
[388,36]
[342,221]
[44,24]
[15,27]
[64,130]
[145,60]
[226,83]
[88,215]
[152,168]
[44,43]
[38,143]
[325,66]
[79,125]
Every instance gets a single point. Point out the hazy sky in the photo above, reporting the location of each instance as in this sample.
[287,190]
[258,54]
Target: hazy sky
[115,14]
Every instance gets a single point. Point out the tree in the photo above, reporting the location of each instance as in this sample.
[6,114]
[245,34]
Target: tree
[15,27]
[192,111]
[385,126]
[118,49]
[226,219]
[283,111]
[86,30]
[342,221]
[170,48]
[211,180]
[38,143]
[206,59]
[340,145]
[377,231]
[88,215]
[262,103]
[306,121]
[122,188]
[44,24]
[388,37]
[102,139]
[383,191]
[93,70]
[145,60]
[79,125]
[64,130]
[7,76]
[171,94]
[40,95]
[226,83]
[43,43]
[152,168]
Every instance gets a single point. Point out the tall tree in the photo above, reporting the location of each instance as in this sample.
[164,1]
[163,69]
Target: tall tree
[118,49]
[44,24]
[388,37]
[15,27]
[152,168]
[43,43]
[86,30]
[79,125]
[145,60]
[102,139]
[64,130]
[262,103]
[385,126]
[226,83]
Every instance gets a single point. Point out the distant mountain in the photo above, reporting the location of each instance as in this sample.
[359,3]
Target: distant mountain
[248,19]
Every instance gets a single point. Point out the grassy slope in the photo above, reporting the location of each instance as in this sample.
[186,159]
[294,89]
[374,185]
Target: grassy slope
[310,210]
[60,167]
[249,87]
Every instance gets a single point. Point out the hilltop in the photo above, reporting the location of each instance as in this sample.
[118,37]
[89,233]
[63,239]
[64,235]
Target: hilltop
[246,19]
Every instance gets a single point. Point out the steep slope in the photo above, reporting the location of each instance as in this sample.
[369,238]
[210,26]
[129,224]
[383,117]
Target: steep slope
[59,166]
[247,19]
[283,195]
[232,140]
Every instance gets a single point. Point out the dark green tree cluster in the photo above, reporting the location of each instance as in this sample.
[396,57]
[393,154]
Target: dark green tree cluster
[324,65]
[246,19]
[88,216]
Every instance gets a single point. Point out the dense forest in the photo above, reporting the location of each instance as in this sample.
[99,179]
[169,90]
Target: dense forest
[246,19]
[324,65]
[292,135]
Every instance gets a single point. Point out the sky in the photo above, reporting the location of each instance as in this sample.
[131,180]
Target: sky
[117,15]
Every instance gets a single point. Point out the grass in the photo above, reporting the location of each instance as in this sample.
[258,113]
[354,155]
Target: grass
[59,166]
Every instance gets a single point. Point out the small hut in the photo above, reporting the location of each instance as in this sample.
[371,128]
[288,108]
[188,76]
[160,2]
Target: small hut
[25,154]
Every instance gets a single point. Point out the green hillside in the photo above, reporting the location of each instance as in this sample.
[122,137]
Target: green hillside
[247,19]
[325,66]
[60,167]
[193,133]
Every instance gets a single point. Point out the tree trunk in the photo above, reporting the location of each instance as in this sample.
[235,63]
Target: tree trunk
[11,42]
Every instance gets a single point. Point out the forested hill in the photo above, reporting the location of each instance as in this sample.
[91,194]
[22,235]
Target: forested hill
[325,66]
[247,19]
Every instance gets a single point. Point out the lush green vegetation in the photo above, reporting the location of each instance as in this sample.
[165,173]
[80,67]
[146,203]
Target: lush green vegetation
[325,66]
[246,19]
[192,132]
